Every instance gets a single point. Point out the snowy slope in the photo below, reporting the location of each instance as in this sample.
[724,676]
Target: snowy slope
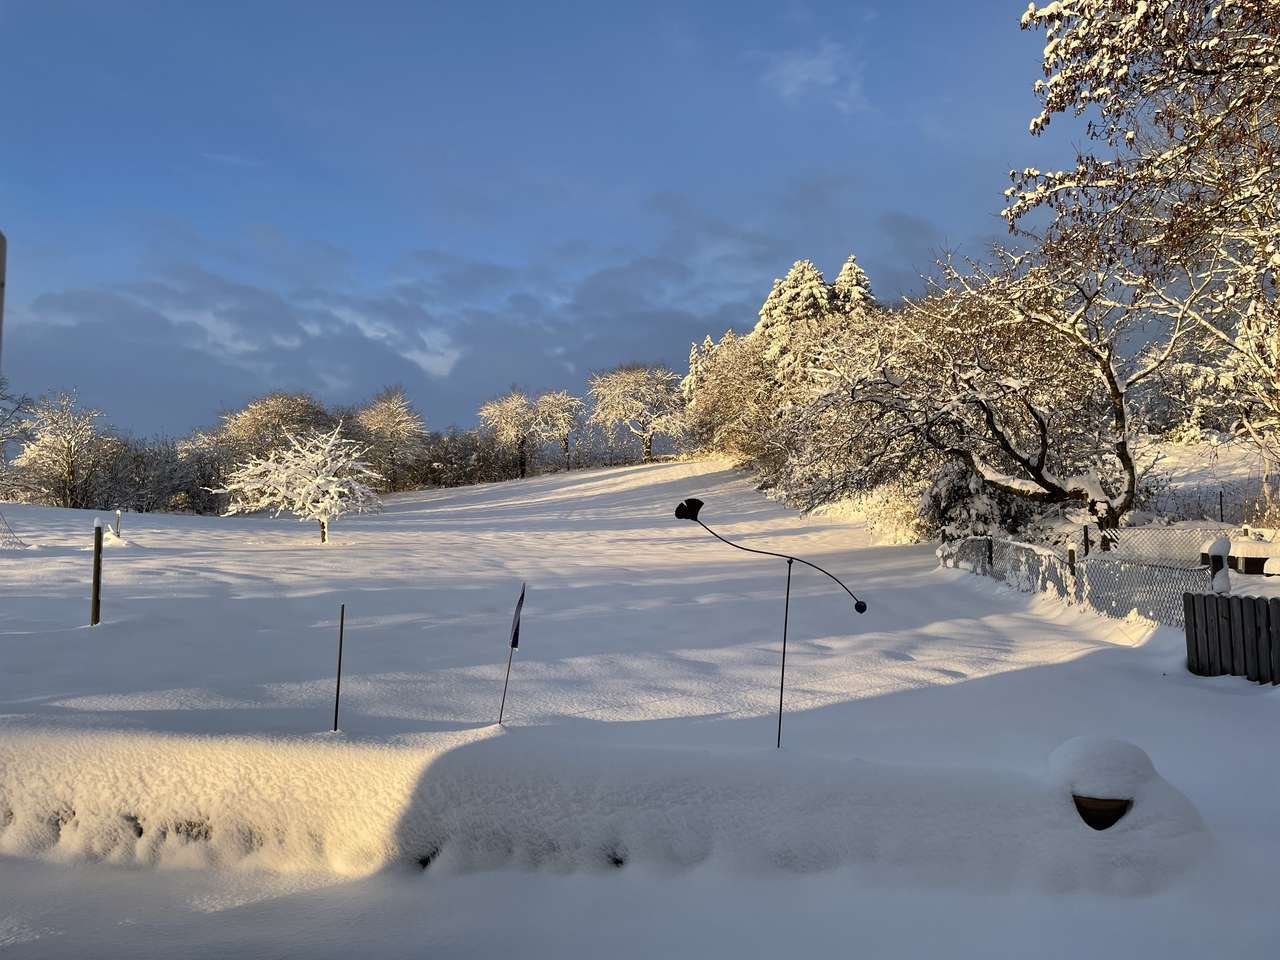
[188,731]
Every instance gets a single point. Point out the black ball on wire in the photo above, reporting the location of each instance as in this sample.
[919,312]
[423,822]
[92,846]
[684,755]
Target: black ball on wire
[860,606]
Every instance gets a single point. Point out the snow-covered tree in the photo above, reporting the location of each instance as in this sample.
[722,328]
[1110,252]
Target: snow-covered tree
[144,475]
[796,316]
[318,477]
[511,421]
[645,400]
[557,415]
[394,433]
[269,422]
[15,413]
[62,461]
[1183,172]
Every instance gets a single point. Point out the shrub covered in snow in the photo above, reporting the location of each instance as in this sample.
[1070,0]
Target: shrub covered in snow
[319,477]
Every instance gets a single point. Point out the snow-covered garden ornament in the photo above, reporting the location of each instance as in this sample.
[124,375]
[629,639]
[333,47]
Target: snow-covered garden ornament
[689,509]
[320,478]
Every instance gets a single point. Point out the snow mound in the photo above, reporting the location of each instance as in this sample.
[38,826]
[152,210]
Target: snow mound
[531,800]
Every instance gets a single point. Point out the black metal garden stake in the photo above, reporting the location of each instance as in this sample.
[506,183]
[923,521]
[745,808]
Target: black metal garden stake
[689,509]
[337,689]
[511,650]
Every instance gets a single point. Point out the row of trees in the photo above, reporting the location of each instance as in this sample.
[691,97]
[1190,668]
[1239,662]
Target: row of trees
[65,455]
[1017,386]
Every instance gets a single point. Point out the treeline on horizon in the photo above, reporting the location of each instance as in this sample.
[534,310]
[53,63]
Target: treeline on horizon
[1013,395]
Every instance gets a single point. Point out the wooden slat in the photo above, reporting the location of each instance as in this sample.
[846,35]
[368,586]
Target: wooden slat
[1202,632]
[1225,641]
[1262,639]
[1273,620]
[1242,609]
[1189,628]
[1211,619]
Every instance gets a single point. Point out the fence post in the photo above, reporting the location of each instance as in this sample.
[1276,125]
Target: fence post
[95,595]
[991,556]
[1220,512]
[1071,560]
[1085,530]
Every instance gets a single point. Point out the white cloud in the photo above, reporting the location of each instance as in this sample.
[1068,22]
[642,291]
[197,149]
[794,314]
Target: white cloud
[830,70]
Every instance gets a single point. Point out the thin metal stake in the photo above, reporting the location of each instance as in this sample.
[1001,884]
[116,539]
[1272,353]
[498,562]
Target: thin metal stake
[337,690]
[782,679]
[511,651]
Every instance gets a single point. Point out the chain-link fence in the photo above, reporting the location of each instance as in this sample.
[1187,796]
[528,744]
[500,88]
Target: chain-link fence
[1117,582]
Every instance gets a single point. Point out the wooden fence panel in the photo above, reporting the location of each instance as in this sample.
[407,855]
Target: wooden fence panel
[1192,631]
[1248,630]
[1274,620]
[1239,636]
[1202,633]
[1211,620]
[1262,639]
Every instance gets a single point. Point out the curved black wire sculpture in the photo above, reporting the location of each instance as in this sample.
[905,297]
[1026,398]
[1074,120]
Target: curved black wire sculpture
[690,508]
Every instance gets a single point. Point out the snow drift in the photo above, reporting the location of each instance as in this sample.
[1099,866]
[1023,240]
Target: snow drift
[529,799]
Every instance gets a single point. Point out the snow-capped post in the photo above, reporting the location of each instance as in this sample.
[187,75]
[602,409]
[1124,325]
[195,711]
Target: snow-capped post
[511,649]
[337,687]
[117,528]
[95,594]
[688,510]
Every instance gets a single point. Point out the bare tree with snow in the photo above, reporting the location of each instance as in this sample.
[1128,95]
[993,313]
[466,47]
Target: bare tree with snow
[1183,170]
[394,433]
[557,415]
[645,400]
[319,477]
[511,421]
[62,461]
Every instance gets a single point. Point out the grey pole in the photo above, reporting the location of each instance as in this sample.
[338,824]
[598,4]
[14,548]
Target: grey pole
[4,255]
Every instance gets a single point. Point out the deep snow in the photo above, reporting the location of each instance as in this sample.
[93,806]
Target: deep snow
[188,731]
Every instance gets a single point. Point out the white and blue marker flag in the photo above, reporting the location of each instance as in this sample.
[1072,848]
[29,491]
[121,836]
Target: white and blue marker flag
[515,621]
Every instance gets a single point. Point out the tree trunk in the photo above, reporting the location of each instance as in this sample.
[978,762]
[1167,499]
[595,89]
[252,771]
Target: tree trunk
[324,531]
[524,459]
[565,444]
[648,447]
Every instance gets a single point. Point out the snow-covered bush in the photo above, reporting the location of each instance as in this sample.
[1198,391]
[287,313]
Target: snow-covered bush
[319,477]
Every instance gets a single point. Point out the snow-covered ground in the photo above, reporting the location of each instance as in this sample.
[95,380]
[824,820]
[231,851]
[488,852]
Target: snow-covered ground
[168,786]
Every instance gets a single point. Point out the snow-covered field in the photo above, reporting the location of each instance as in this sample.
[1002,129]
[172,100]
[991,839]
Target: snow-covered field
[168,786]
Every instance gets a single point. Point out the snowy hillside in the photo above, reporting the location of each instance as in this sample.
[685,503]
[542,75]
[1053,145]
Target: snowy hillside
[167,777]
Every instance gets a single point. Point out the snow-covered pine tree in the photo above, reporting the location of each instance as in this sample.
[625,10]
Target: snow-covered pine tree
[643,399]
[511,421]
[394,433]
[793,318]
[557,415]
[319,477]
[851,290]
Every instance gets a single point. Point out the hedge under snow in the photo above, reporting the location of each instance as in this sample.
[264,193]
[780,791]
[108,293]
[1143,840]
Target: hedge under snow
[527,799]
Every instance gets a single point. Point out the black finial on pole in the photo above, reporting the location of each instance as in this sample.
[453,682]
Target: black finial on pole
[337,689]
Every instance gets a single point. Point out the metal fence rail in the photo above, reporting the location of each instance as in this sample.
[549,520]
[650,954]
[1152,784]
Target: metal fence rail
[1114,583]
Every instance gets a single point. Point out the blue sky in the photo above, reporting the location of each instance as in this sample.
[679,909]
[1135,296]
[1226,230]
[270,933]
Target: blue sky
[206,201]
